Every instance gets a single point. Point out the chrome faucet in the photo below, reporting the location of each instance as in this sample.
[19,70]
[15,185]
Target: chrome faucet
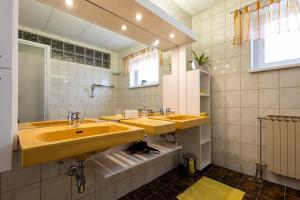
[168,111]
[74,119]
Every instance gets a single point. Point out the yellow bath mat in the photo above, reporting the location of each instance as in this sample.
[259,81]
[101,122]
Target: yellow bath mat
[208,189]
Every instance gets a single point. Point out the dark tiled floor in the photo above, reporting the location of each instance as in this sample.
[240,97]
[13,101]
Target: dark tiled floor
[169,185]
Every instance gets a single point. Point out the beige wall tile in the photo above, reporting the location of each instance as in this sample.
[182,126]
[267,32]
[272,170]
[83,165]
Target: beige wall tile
[249,153]
[218,67]
[232,3]
[245,62]
[290,77]
[233,149]
[49,170]
[234,164]
[218,146]
[233,99]
[18,176]
[218,130]
[249,81]
[233,115]
[233,132]
[233,82]
[249,135]
[290,97]
[218,8]
[56,188]
[218,20]
[218,83]
[30,192]
[269,98]
[205,25]
[218,52]
[248,116]
[249,98]
[269,79]
[218,36]
[233,65]
[219,160]
[232,50]
[218,99]
[107,193]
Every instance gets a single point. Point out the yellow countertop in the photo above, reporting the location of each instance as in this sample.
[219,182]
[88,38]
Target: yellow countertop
[151,126]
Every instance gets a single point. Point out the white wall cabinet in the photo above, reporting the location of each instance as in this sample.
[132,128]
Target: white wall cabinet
[8,79]
[198,100]
[6,23]
[6,119]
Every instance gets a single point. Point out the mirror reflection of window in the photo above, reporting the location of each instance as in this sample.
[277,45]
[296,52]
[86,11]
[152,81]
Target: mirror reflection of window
[144,69]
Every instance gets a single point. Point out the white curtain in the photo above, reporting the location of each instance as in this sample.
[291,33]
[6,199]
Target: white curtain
[259,21]
[144,67]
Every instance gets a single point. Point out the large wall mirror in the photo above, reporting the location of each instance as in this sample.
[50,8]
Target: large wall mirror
[69,64]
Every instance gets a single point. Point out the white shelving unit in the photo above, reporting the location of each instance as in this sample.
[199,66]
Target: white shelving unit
[198,100]
[108,165]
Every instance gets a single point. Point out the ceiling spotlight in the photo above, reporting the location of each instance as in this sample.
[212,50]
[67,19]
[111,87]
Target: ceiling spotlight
[172,35]
[69,2]
[156,43]
[138,17]
[124,27]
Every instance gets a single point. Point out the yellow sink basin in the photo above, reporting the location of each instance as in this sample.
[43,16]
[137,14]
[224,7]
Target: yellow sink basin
[152,126]
[41,145]
[112,118]
[183,121]
[43,124]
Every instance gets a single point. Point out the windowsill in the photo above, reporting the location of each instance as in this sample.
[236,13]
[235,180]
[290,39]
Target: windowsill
[275,68]
[142,86]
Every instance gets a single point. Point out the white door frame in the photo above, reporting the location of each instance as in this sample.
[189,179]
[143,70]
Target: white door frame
[47,63]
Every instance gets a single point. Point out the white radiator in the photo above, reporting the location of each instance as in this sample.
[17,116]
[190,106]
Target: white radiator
[283,145]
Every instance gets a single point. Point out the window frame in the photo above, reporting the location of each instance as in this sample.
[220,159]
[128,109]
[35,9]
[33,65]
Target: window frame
[276,66]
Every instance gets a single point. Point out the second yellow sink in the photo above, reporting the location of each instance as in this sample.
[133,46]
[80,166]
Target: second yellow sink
[41,145]
[183,121]
[152,126]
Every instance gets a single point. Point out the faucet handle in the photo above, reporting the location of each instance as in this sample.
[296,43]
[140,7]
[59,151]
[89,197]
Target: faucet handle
[76,115]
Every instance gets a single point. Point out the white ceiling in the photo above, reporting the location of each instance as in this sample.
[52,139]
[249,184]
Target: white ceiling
[39,16]
[195,6]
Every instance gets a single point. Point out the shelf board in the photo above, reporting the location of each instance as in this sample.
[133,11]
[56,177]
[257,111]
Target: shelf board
[204,163]
[114,163]
[203,71]
[204,95]
[204,141]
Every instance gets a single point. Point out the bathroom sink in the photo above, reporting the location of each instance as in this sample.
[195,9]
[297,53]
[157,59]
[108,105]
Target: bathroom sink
[152,126]
[112,118]
[43,124]
[183,121]
[45,144]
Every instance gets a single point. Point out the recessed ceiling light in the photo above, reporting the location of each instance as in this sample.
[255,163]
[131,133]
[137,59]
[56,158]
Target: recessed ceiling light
[138,17]
[69,2]
[124,27]
[172,35]
[156,42]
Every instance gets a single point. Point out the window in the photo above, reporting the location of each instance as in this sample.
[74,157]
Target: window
[144,69]
[277,50]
